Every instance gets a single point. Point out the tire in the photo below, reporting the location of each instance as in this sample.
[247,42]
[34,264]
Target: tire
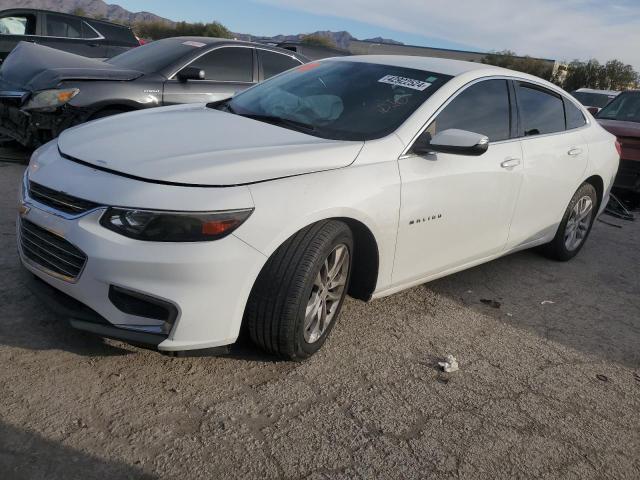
[584,205]
[294,280]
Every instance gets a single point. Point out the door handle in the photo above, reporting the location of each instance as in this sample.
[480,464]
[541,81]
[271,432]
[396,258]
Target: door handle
[510,162]
[574,151]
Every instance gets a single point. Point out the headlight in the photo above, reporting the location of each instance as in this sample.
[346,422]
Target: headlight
[156,226]
[49,99]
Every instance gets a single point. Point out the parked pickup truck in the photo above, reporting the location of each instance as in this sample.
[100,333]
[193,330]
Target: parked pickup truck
[83,36]
[45,91]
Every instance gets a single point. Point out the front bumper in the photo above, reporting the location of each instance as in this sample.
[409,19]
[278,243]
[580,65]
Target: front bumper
[628,177]
[208,283]
[33,129]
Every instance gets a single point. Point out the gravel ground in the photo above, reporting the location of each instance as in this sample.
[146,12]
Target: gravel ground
[544,390]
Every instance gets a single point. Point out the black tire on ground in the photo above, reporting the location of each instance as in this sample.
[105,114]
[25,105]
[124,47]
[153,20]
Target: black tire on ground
[557,248]
[275,313]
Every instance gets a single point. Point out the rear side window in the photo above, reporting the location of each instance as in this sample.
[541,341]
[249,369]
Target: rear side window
[18,24]
[482,108]
[575,118]
[229,64]
[541,111]
[65,27]
[275,63]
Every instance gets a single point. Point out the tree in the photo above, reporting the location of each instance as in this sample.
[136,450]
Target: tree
[157,30]
[79,12]
[318,40]
[526,64]
[614,75]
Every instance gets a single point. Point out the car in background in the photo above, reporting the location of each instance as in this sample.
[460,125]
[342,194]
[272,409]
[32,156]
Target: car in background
[594,100]
[622,118]
[182,226]
[45,91]
[80,35]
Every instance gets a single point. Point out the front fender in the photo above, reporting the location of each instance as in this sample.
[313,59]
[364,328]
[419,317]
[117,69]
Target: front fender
[367,193]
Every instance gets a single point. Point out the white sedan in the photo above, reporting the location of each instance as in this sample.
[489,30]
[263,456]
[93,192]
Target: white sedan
[180,226]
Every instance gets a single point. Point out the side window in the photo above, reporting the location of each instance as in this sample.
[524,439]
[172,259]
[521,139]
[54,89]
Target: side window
[275,63]
[575,118]
[482,108]
[227,64]
[540,110]
[88,31]
[18,24]
[66,27]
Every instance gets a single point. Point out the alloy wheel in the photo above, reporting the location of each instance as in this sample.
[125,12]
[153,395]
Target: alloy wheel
[326,294]
[578,224]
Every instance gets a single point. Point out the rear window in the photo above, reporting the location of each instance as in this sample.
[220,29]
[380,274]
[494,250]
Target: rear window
[154,56]
[541,111]
[626,108]
[115,33]
[274,63]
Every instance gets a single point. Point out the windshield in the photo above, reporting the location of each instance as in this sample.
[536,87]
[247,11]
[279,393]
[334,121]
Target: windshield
[626,107]
[154,56]
[590,99]
[339,100]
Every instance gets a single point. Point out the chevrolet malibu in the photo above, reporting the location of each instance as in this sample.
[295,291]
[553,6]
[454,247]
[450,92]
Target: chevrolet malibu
[178,227]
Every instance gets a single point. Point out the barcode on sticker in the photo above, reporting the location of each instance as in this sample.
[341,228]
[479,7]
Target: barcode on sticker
[405,82]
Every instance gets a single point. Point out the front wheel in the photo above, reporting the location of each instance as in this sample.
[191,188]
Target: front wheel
[575,226]
[297,297]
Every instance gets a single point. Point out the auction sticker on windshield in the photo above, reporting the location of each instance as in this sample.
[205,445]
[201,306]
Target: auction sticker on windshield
[405,82]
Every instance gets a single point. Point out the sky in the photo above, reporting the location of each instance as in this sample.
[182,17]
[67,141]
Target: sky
[558,29]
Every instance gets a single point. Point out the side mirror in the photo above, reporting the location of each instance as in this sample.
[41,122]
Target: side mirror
[593,110]
[458,142]
[190,73]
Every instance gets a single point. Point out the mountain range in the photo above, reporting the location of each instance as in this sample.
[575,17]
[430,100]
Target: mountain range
[115,13]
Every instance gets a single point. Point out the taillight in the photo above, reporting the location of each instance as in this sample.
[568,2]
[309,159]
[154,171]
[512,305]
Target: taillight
[619,148]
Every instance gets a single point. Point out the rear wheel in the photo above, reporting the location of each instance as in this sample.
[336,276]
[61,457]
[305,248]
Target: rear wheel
[575,226]
[297,297]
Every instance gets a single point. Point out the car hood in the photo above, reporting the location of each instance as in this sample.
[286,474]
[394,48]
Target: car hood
[196,145]
[620,128]
[32,67]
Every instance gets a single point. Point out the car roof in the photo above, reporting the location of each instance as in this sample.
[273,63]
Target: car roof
[41,10]
[443,66]
[602,92]
[208,41]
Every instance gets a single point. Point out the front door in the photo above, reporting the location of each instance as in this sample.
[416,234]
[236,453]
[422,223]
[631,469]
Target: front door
[227,70]
[457,209]
[16,26]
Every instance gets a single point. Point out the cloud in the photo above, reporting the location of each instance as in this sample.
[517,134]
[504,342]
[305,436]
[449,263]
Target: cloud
[560,29]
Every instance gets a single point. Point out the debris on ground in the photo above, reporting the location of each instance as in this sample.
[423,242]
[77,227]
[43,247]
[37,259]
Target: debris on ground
[617,209]
[450,364]
[602,378]
[547,302]
[491,303]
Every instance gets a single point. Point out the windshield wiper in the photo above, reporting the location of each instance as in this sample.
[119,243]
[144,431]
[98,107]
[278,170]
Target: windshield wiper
[281,122]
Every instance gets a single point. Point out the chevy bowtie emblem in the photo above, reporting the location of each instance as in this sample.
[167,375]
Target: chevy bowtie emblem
[23,209]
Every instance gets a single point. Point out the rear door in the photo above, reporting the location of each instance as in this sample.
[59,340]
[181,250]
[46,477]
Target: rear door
[272,63]
[72,34]
[16,26]
[555,157]
[227,70]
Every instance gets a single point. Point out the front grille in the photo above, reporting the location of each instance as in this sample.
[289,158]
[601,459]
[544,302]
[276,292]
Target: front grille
[60,200]
[50,251]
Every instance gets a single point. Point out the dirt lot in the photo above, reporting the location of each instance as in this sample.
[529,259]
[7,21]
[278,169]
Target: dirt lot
[545,390]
